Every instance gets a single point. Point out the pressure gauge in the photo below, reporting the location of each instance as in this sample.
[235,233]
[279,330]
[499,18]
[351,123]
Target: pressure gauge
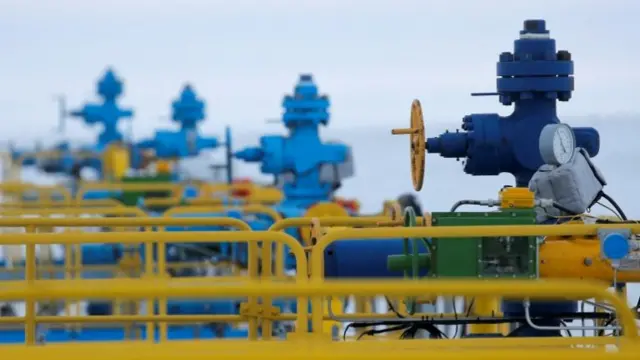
[557,144]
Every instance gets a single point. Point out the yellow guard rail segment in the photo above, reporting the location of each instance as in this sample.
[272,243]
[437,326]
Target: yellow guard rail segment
[148,238]
[317,254]
[292,351]
[120,210]
[319,347]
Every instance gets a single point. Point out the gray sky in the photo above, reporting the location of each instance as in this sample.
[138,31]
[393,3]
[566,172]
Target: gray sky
[371,56]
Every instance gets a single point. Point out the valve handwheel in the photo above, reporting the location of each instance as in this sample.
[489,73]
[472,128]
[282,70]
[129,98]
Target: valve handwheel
[417,142]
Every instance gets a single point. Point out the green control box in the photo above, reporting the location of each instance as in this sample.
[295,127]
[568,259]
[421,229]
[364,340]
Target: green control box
[131,198]
[488,257]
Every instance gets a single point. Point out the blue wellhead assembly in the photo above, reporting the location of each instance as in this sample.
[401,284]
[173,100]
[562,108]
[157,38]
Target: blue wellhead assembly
[108,113]
[188,111]
[532,78]
[308,169]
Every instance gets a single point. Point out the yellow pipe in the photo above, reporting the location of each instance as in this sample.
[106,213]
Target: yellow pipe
[162,301]
[485,306]
[74,211]
[137,289]
[30,277]
[579,258]
[290,350]
[247,209]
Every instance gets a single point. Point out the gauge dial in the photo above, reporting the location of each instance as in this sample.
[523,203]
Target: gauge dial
[557,144]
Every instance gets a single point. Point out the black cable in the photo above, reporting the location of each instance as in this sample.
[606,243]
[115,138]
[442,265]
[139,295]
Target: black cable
[455,316]
[566,328]
[614,204]
[564,209]
[373,332]
[467,314]
[392,308]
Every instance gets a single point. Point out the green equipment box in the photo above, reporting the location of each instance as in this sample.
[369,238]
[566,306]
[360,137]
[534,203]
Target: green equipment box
[485,257]
[131,198]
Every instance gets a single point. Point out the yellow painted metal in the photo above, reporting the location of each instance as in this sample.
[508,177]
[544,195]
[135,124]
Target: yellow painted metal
[320,210]
[516,198]
[44,194]
[317,258]
[73,254]
[254,193]
[302,288]
[115,161]
[266,250]
[485,349]
[245,209]
[329,221]
[148,238]
[164,166]
[579,257]
[485,306]
[417,144]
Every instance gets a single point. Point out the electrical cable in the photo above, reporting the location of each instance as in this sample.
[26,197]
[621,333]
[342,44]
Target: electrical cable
[614,204]
[610,209]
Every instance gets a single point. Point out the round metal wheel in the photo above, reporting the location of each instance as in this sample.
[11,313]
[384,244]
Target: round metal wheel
[417,144]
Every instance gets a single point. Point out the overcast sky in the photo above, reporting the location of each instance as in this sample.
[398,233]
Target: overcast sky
[371,56]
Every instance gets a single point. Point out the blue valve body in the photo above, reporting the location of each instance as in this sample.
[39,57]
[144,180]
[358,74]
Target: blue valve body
[108,113]
[302,153]
[532,78]
[188,110]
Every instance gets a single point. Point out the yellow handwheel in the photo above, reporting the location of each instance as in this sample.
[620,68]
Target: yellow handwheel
[320,210]
[417,142]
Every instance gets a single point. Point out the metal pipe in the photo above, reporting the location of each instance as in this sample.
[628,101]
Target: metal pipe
[527,316]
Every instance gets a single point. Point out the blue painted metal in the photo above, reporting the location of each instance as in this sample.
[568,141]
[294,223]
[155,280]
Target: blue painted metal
[615,246]
[533,78]
[350,259]
[175,332]
[302,153]
[188,110]
[108,113]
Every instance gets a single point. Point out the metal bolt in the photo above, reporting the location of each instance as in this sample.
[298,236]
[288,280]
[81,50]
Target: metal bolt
[588,261]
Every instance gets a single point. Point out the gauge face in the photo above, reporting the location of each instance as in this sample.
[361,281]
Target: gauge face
[563,144]
[557,144]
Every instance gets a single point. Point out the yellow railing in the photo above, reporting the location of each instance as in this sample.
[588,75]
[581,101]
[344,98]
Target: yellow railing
[317,252]
[148,239]
[73,252]
[154,273]
[44,194]
[319,346]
